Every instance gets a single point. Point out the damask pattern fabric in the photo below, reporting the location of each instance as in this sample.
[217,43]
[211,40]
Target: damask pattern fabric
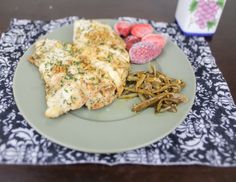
[207,136]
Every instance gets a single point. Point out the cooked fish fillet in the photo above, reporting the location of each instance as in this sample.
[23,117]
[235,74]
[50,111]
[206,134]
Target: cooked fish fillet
[89,72]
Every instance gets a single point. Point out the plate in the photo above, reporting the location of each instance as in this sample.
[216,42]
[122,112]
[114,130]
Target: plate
[112,129]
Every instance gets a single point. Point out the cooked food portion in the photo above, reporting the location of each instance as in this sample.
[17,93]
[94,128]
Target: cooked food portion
[55,64]
[90,72]
[104,48]
[94,33]
[154,89]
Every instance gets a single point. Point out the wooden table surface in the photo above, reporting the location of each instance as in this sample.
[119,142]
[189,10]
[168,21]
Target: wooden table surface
[223,48]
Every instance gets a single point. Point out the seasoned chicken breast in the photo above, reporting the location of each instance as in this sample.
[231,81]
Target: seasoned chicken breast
[90,72]
[104,48]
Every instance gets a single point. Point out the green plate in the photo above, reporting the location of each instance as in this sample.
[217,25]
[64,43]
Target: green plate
[111,129]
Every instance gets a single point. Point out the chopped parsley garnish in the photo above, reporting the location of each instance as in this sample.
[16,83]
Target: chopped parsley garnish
[92,78]
[69,76]
[76,63]
[72,98]
[109,57]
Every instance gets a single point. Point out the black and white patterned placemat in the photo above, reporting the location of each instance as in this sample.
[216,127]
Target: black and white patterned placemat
[206,137]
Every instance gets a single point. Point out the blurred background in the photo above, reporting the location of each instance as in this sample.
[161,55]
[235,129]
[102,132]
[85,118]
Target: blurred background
[51,9]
